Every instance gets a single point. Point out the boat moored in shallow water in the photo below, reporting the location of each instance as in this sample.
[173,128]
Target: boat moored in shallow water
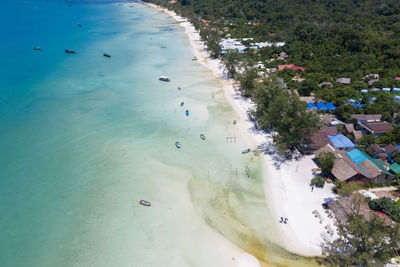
[194,58]
[182,103]
[246,151]
[202,136]
[164,79]
[106,55]
[187,112]
[145,203]
[178,145]
[37,48]
[67,51]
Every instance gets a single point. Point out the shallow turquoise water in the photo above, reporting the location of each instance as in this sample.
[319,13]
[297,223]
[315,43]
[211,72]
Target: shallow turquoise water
[83,138]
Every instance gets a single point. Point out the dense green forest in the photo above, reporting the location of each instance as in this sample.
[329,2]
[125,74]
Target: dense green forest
[331,38]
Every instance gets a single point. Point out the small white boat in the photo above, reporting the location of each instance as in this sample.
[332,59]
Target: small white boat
[145,203]
[37,48]
[164,79]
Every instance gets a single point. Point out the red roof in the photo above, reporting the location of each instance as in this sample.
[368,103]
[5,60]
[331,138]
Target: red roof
[397,78]
[291,66]
[386,218]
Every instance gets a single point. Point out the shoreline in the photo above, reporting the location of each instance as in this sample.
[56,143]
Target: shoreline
[287,189]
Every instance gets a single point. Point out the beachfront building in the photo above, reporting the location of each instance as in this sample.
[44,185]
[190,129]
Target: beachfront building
[296,69]
[383,152]
[344,206]
[319,139]
[330,120]
[378,128]
[282,56]
[340,141]
[236,45]
[343,80]
[357,135]
[366,117]
[355,165]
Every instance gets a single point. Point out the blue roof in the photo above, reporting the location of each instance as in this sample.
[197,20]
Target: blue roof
[356,156]
[340,141]
[310,105]
[396,90]
[386,90]
[352,101]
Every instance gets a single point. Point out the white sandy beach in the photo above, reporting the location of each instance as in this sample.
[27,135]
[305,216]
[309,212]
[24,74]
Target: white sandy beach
[286,183]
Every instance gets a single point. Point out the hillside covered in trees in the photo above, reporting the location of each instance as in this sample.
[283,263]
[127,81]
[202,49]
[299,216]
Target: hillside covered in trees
[331,38]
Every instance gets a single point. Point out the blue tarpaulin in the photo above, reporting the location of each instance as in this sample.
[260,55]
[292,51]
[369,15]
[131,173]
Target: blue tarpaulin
[341,141]
[358,105]
[396,90]
[364,91]
[310,105]
[330,106]
[321,106]
[386,90]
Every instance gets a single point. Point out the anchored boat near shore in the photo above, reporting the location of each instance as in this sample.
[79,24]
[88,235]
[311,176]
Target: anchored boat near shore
[178,145]
[145,203]
[246,151]
[164,79]
[67,51]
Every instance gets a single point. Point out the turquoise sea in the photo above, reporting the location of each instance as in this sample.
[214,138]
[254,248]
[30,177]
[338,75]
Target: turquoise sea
[83,138]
